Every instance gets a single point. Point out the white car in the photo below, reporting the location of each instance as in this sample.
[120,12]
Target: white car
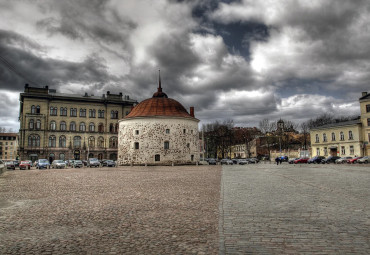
[363,160]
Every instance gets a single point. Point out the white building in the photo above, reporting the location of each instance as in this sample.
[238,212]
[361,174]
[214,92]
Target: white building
[158,131]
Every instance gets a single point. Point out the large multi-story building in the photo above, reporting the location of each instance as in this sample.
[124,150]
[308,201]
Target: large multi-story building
[69,126]
[349,138]
[8,146]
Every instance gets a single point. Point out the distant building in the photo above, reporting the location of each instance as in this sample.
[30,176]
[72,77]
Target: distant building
[69,126]
[158,131]
[8,146]
[349,138]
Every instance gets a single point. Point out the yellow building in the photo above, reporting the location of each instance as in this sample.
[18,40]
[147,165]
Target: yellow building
[349,138]
[69,126]
[365,120]
[8,146]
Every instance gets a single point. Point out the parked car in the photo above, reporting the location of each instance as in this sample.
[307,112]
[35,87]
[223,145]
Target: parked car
[291,161]
[363,160]
[212,161]
[43,163]
[25,165]
[342,160]
[235,161]
[10,165]
[78,164]
[301,161]
[315,160]
[226,161]
[330,159]
[109,163]
[353,160]
[253,160]
[93,162]
[58,164]
[243,162]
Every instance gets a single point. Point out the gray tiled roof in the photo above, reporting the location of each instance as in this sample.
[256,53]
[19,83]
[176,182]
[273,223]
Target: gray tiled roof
[339,124]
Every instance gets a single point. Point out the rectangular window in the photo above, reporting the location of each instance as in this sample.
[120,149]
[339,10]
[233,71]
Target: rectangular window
[184,131]
[82,112]
[73,112]
[136,146]
[136,132]
[351,150]
[350,135]
[368,122]
[167,131]
[343,150]
[325,151]
[166,145]
[318,151]
[157,157]
[368,108]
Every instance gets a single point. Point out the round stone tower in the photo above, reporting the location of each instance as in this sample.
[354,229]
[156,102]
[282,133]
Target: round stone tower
[158,131]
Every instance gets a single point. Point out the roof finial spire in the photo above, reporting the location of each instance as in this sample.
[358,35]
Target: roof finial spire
[159,81]
[159,93]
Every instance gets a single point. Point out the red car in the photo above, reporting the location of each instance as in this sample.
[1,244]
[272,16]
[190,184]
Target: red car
[301,161]
[25,165]
[353,160]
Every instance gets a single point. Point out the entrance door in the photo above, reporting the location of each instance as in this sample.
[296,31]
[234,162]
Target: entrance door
[333,152]
[76,154]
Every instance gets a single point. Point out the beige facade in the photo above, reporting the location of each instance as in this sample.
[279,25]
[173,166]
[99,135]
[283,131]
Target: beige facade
[8,146]
[338,139]
[350,138]
[67,126]
[365,120]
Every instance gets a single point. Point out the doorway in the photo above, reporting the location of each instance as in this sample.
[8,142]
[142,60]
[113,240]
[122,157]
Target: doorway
[76,155]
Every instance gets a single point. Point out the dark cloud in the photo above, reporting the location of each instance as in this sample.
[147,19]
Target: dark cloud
[19,66]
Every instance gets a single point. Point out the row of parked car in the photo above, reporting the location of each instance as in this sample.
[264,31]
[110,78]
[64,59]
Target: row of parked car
[242,161]
[330,159]
[59,164]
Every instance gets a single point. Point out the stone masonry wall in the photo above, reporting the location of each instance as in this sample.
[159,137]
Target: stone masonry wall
[183,145]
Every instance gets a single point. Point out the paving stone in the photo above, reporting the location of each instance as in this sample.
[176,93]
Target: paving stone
[286,209]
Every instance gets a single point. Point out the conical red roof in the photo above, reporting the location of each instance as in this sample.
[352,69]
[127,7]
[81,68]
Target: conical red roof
[159,106]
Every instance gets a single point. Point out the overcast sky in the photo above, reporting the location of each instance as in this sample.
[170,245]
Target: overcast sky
[242,60]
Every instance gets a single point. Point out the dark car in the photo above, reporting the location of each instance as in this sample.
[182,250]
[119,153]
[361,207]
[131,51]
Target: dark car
[330,159]
[284,158]
[109,163]
[212,161]
[315,160]
[226,161]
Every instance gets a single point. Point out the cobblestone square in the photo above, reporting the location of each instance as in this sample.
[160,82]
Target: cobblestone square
[295,209]
[125,210]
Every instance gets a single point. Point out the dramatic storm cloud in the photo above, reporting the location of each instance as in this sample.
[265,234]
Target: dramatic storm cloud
[242,60]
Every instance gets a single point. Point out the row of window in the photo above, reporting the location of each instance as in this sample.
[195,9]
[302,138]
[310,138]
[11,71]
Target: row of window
[34,141]
[113,128]
[73,112]
[325,139]
[166,145]
[342,150]
[137,132]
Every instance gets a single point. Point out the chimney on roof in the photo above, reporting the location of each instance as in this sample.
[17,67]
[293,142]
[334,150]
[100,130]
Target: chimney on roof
[108,92]
[192,111]
[364,94]
[26,85]
[86,95]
